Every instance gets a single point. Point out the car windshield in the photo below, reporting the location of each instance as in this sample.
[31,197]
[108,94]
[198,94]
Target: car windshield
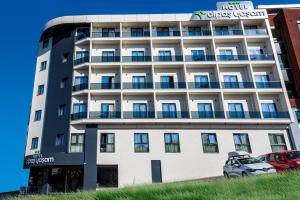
[245,161]
[293,155]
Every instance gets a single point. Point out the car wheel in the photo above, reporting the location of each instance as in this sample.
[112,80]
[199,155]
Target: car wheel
[226,175]
[244,174]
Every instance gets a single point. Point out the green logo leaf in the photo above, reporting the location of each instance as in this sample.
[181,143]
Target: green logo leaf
[200,13]
[234,3]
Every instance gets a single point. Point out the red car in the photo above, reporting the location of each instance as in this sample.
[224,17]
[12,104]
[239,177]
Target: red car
[284,160]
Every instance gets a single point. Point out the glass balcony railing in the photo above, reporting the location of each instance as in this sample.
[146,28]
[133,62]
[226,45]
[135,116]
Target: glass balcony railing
[270,84]
[200,58]
[228,32]
[105,34]
[96,59]
[262,57]
[261,31]
[138,85]
[208,114]
[170,85]
[166,33]
[78,87]
[136,34]
[136,59]
[105,86]
[80,115]
[173,115]
[243,115]
[139,115]
[203,85]
[105,115]
[232,85]
[79,61]
[275,115]
[196,33]
[232,57]
[168,58]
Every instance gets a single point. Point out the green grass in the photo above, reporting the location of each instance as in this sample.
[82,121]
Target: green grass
[273,187]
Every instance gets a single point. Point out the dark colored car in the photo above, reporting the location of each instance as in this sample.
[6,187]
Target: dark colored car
[282,161]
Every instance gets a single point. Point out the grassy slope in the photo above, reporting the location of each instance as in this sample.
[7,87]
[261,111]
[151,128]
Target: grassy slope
[273,187]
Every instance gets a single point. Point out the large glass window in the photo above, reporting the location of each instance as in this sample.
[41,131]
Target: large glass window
[77,143]
[169,110]
[140,110]
[172,143]
[107,142]
[194,31]
[79,108]
[137,32]
[226,54]
[222,30]
[108,32]
[201,81]
[210,143]
[107,82]
[231,81]
[269,110]
[141,142]
[262,81]
[138,56]
[205,110]
[163,31]
[167,82]
[139,82]
[236,110]
[34,143]
[165,55]
[241,142]
[38,115]
[198,55]
[107,110]
[277,142]
[108,56]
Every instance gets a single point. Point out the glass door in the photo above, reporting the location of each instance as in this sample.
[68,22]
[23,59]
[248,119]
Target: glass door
[165,56]
[140,110]
[166,82]
[269,110]
[236,110]
[205,110]
[138,56]
[201,81]
[169,110]
[198,55]
[108,56]
[231,81]
[139,82]
[262,81]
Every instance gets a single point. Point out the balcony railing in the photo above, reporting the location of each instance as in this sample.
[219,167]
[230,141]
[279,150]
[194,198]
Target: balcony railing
[208,114]
[96,59]
[173,114]
[166,33]
[203,85]
[270,84]
[79,87]
[105,86]
[228,32]
[233,85]
[196,33]
[138,115]
[178,58]
[136,34]
[136,59]
[105,34]
[138,85]
[105,115]
[81,36]
[80,115]
[262,57]
[232,57]
[81,60]
[276,115]
[170,85]
[261,31]
[200,58]
[243,115]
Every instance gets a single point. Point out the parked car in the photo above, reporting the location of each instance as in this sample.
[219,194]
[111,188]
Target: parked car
[284,160]
[241,164]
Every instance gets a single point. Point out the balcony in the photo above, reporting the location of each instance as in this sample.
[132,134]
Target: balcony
[170,85]
[81,36]
[135,34]
[168,58]
[105,115]
[200,58]
[138,85]
[204,85]
[136,58]
[233,85]
[165,33]
[261,57]
[99,59]
[105,86]
[270,84]
[261,31]
[79,61]
[80,115]
[275,115]
[173,115]
[232,57]
[79,87]
[105,34]
[208,114]
[139,115]
[243,115]
[228,32]
[196,33]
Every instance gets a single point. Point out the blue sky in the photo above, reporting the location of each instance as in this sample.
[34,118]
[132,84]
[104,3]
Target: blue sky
[22,22]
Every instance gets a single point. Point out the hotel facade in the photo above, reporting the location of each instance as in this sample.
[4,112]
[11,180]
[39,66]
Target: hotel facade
[122,100]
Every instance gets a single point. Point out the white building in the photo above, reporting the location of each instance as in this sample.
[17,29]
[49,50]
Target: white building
[153,98]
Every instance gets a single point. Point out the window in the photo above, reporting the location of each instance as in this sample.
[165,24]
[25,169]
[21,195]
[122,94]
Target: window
[139,110]
[169,110]
[222,30]
[198,55]
[201,81]
[141,142]
[60,139]
[62,110]
[77,142]
[262,81]
[210,143]
[63,82]
[43,65]
[231,81]
[65,57]
[108,56]
[165,55]
[107,142]
[108,32]
[34,143]
[167,82]
[172,143]
[80,83]
[137,32]
[241,142]
[138,56]
[38,115]
[79,107]
[107,82]
[40,90]
[138,82]
[226,54]
[45,43]
[277,142]
[107,110]
[163,31]
[269,110]
[236,110]
[194,31]
[205,110]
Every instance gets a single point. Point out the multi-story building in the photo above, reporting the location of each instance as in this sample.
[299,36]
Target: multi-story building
[134,99]
[285,26]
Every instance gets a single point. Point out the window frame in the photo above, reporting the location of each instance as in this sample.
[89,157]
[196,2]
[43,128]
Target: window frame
[41,90]
[63,83]
[277,145]
[142,143]
[62,110]
[248,141]
[43,65]
[204,143]
[107,143]
[77,144]
[60,139]
[37,115]
[172,142]
[45,43]
[34,145]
